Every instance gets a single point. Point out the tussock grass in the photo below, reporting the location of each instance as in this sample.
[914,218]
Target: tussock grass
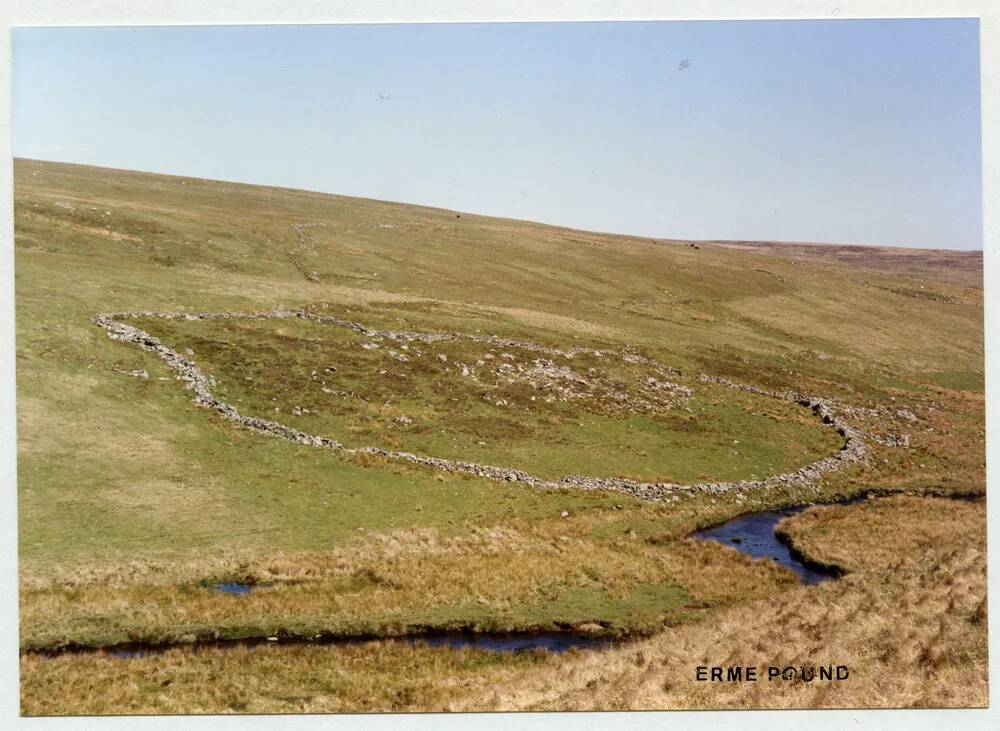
[912,634]
[890,530]
[377,676]
[541,576]
[910,630]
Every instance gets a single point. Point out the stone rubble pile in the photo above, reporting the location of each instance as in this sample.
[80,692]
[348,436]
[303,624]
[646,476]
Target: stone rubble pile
[668,386]
[559,382]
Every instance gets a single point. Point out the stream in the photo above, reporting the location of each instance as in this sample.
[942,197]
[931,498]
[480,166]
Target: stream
[510,642]
[753,534]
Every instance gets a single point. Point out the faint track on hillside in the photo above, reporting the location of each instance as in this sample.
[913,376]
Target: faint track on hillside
[301,255]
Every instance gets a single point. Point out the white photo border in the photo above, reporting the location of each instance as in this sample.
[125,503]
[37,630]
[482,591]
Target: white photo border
[25,13]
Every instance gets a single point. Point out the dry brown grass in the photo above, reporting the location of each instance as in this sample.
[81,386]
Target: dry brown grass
[878,535]
[910,626]
[912,632]
[499,578]
[373,677]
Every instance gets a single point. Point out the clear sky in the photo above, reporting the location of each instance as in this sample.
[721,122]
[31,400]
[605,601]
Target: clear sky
[836,131]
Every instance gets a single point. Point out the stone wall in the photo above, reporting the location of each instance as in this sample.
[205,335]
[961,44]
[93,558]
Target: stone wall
[852,451]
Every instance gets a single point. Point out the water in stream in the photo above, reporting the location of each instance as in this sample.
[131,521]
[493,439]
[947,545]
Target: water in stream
[556,642]
[753,534]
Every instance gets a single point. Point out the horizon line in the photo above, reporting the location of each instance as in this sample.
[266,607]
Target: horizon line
[664,239]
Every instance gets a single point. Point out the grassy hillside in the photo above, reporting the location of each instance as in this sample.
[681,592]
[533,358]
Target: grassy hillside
[132,500]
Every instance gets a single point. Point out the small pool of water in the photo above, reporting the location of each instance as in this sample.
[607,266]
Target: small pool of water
[233,587]
[753,534]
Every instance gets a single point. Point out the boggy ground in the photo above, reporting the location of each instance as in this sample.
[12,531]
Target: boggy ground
[588,569]
[131,499]
[908,621]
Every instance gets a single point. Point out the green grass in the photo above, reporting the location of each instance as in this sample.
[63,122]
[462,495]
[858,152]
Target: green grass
[274,368]
[958,380]
[116,474]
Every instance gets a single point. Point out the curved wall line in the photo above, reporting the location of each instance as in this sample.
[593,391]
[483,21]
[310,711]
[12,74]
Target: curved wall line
[853,449]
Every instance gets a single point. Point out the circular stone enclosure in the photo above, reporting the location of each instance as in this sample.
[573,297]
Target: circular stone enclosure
[468,401]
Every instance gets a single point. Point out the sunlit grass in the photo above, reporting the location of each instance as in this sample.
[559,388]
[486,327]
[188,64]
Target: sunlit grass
[130,498]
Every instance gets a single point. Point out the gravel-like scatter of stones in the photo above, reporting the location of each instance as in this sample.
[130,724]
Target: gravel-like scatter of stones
[853,449]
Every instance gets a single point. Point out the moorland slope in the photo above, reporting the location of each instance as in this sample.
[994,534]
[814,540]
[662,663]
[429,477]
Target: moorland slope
[133,500]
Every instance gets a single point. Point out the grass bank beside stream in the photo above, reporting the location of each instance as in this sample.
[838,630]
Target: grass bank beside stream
[910,626]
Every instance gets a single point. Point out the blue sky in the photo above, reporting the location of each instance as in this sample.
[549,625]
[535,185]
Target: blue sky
[836,131]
